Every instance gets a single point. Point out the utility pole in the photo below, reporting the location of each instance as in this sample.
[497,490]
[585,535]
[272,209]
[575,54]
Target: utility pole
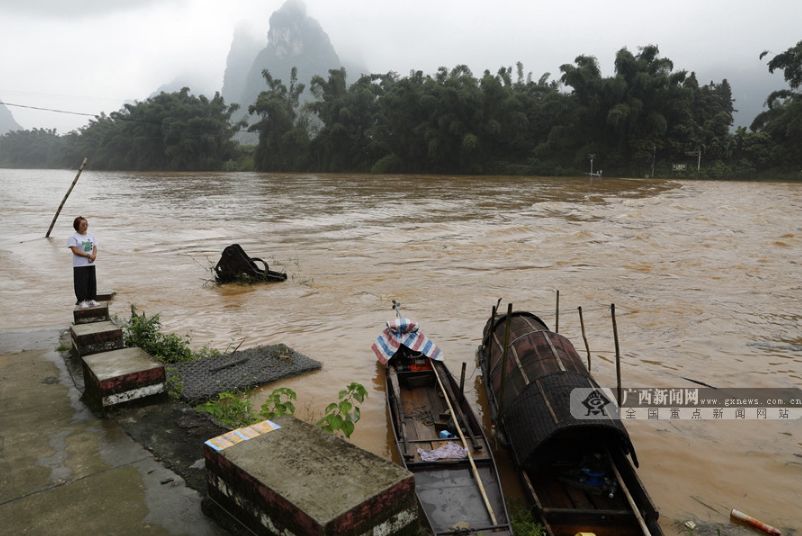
[591,156]
[654,157]
[698,154]
[698,159]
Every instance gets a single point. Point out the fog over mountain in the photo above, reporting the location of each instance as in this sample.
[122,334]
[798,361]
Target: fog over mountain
[7,122]
[91,56]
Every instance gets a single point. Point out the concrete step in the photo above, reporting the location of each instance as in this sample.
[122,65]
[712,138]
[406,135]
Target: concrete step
[120,376]
[105,295]
[88,315]
[96,337]
[294,478]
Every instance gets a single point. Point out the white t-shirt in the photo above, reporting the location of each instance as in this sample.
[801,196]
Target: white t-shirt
[84,242]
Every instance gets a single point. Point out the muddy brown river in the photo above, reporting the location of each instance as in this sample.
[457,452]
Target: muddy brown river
[706,279]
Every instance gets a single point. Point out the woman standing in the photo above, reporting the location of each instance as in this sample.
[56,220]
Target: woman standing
[84,252]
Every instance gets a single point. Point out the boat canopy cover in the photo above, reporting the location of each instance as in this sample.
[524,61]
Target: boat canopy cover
[404,332]
[530,386]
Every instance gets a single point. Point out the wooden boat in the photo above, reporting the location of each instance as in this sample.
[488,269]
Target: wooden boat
[430,416]
[578,473]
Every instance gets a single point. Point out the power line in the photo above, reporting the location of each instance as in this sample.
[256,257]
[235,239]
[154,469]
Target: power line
[47,109]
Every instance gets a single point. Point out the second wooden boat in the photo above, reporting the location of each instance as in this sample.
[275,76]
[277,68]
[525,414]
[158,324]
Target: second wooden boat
[438,437]
[578,473]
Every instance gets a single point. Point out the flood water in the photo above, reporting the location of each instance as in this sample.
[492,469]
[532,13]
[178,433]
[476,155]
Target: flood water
[706,279]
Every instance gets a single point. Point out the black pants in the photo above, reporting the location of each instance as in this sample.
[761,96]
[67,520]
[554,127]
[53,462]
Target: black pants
[85,283]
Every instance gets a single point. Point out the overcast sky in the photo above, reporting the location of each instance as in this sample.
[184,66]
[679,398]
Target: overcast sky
[93,55]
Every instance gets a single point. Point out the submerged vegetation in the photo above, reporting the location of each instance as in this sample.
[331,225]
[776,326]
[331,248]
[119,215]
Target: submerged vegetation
[234,409]
[646,119]
[145,332]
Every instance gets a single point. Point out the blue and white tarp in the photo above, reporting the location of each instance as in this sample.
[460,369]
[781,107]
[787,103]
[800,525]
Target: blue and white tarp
[404,332]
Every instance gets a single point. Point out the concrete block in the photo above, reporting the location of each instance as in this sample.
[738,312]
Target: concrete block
[289,477]
[96,337]
[88,315]
[119,376]
[105,295]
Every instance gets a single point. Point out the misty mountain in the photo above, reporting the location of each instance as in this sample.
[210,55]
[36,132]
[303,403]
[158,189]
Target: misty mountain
[293,40]
[241,56]
[7,123]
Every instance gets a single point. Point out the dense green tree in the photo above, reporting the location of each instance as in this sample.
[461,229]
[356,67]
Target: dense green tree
[347,139]
[639,120]
[783,119]
[283,135]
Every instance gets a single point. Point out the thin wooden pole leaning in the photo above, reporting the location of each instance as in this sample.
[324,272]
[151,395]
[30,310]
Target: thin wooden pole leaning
[506,343]
[476,474]
[557,314]
[617,353]
[584,337]
[462,380]
[52,223]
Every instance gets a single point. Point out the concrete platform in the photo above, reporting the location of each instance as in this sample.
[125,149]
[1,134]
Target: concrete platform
[64,472]
[96,337]
[105,295]
[297,479]
[119,376]
[99,313]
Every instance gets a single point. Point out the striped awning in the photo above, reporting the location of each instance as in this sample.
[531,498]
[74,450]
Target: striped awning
[404,332]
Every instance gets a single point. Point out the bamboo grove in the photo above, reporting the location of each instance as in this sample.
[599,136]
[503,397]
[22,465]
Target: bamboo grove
[646,119]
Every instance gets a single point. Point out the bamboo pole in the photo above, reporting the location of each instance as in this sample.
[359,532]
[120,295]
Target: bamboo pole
[504,360]
[462,380]
[52,223]
[617,353]
[584,337]
[557,314]
[632,504]
[465,446]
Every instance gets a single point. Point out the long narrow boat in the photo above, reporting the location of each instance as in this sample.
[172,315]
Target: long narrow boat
[577,472]
[438,437]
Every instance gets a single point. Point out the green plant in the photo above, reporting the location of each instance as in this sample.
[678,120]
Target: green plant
[522,521]
[207,352]
[230,408]
[279,403]
[173,383]
[343,415]
[145,332]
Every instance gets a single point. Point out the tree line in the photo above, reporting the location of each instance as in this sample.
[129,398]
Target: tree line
[646,119]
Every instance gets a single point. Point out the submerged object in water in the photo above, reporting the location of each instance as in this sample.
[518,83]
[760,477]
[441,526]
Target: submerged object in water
[236,265]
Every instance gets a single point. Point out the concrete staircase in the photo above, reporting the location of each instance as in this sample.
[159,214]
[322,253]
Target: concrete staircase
[112,374]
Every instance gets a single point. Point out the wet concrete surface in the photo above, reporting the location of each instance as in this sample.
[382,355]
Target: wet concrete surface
[65,471]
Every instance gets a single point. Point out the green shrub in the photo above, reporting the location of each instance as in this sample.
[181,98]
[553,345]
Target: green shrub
[343,415]
[279,403]
[145,332]
[522,521]
[229,408]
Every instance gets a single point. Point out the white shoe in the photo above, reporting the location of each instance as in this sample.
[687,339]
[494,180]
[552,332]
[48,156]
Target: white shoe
[83,305]
[93,303]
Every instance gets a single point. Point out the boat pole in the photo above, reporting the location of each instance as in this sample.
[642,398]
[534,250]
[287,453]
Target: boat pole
[462,380]
[52,223]
[507,323]
[630,500]
[465,446]
[584,337]
[617,353]
[557,314]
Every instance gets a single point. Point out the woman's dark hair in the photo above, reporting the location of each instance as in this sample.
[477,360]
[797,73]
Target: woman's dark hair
[77,222]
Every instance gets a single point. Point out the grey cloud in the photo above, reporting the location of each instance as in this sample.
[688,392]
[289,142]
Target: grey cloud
[74,9]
